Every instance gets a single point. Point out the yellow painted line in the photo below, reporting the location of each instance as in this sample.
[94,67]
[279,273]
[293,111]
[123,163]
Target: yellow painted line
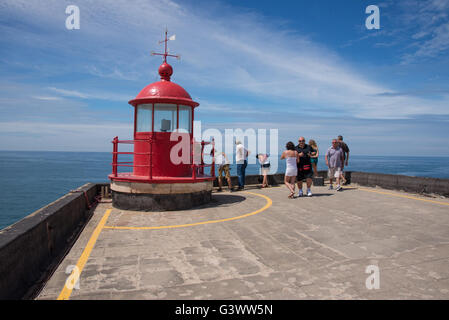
[74,276]
[266,206]
[404,196]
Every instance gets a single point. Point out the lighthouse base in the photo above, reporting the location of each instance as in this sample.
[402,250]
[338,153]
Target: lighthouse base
[160,196]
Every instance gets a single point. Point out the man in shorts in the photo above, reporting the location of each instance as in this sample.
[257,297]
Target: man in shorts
[305,171]
[334,160]
[345,149]
[223,167]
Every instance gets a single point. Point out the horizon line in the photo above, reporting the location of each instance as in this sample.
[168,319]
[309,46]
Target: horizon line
[357,155]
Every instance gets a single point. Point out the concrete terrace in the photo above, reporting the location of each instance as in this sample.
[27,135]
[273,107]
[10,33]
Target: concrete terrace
[258,244]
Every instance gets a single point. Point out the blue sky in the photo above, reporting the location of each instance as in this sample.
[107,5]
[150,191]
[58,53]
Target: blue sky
[307,68]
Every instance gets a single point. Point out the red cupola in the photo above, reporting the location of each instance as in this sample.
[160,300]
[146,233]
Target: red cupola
[164,147]
[164,90]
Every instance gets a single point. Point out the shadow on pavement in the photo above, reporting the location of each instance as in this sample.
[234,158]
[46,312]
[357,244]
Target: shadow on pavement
[220,199]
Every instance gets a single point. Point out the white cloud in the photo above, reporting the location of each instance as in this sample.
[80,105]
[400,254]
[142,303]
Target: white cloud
[111,96]
[69,93]
[431,20]
[112,74]
[208,107]
[49,127]
[47,98]
[438,43]
[30,135]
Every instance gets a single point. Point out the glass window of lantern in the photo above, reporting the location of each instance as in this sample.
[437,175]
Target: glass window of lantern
[144,117]
[164,117]
[185,119]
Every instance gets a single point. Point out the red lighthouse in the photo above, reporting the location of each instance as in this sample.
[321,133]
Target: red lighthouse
[164,174]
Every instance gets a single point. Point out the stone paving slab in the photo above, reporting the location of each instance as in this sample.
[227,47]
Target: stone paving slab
[302,248]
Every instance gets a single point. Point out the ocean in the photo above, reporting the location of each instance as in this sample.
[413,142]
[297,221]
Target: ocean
[31,180]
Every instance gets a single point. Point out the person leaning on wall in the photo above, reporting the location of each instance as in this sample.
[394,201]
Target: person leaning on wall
[264,168]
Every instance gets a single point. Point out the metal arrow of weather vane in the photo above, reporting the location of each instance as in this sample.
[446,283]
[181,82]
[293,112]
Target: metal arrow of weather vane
[166,54]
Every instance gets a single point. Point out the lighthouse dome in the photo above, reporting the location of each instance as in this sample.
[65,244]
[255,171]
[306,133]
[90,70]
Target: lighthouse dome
[164,90]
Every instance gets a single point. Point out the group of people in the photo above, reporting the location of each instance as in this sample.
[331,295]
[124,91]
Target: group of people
[241,159]
[301,165]
[302,161]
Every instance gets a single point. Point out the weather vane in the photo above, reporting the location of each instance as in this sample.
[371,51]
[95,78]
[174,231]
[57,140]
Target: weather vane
[166,54]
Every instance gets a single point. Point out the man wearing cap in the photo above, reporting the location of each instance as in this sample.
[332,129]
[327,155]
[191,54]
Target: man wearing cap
[223,168]
[305,171]
[345,149]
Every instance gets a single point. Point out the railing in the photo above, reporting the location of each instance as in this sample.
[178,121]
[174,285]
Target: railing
[197,169]
[200,167]
[115,153]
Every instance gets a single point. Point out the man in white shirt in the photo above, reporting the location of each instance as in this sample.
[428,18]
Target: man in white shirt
[241,157]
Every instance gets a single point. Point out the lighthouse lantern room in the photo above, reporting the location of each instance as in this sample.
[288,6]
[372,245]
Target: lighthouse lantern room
[168,169]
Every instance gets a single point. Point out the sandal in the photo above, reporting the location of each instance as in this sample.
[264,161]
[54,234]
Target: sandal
[291,195]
